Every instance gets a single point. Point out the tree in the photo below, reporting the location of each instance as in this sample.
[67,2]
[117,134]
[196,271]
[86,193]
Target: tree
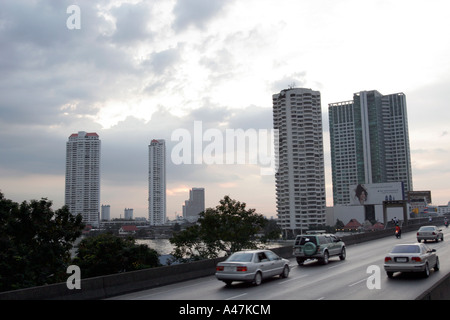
[35,243]
[229,227]
[107,254]
[271,231]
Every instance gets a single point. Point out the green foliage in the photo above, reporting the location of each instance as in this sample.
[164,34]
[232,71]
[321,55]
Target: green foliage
[107,254]
[229,227]
[35,243]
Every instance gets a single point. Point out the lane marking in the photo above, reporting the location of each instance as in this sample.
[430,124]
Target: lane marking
[292,279]
[351,285]
[236,296]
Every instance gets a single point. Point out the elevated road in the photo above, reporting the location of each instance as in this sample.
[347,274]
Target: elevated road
[338,280]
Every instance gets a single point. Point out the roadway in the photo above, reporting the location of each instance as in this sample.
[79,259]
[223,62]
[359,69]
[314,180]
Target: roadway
[338,280]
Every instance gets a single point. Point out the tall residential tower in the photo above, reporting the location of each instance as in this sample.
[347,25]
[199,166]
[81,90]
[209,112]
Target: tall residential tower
[300,180]
[369,142]
[157,182]
[82,192]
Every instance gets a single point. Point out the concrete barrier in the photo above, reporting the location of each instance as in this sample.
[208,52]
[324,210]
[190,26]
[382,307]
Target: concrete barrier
[439,291]
[127,282]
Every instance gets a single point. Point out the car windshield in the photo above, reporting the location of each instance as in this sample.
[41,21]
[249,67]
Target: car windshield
[406,249]
[241,257]
[426,229]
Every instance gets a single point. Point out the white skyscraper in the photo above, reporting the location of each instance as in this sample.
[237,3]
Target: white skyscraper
[82,192]
[157,182]
[300,180]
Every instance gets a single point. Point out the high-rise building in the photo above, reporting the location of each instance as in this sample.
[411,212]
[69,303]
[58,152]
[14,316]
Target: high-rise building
[82,192]
[195,204]
[300,180]
[157,182]
[105,213]
[369,142]
[128,214]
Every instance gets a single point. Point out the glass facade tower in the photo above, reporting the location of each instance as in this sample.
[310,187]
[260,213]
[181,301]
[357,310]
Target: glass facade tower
[369,142]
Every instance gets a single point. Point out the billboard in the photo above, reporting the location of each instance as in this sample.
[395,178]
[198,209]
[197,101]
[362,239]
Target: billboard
[376,193]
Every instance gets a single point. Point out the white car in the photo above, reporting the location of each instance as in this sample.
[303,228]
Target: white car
[429,233]
[415,257]
[252,266]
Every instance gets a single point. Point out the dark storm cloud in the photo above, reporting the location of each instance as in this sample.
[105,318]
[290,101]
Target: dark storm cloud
[46,66]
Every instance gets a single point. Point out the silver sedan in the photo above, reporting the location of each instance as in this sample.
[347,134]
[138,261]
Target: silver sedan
[252,266]
[416,257]
[429,233]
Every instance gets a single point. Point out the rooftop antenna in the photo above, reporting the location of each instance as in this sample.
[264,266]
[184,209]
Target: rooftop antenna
[292,85]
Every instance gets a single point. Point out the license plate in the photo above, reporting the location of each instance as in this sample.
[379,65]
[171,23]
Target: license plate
[229,268]
[402,260]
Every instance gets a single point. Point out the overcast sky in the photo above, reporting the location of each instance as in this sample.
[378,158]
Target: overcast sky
[140,70]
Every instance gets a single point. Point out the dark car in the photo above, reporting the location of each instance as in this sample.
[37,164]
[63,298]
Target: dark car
[318,246]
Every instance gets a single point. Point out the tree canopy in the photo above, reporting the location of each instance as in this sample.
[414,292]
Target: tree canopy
[229,227]
[35,243]
[107,254]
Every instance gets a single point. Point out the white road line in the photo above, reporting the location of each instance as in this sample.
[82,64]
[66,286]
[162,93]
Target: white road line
[292,279]
[351,285]
[236,296]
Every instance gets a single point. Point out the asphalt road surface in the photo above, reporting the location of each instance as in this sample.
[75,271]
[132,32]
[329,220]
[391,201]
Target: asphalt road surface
[359,277]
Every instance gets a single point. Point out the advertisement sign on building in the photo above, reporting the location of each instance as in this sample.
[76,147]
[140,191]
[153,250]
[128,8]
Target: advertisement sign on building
[376,193]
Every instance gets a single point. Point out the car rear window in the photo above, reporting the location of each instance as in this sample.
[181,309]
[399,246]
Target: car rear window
[406,249]
[241,257]
[426,229]
[302,240]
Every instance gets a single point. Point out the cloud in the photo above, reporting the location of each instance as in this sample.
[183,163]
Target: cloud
[132,23]
[196,13]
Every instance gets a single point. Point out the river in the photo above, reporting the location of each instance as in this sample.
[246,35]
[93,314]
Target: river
[164,247]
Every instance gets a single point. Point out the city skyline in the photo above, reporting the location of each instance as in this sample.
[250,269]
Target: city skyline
[143,69]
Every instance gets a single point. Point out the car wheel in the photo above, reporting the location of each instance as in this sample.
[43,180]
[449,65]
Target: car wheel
[343,254]
[390,274]
[228,282]
[285,272]
[300,262]
[325,257]
[258,279]
[426,272]
[437,265]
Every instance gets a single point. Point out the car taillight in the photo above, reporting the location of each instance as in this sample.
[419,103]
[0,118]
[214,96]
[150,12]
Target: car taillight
[387,259]
[219,268]
[416,259]
[241,269]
